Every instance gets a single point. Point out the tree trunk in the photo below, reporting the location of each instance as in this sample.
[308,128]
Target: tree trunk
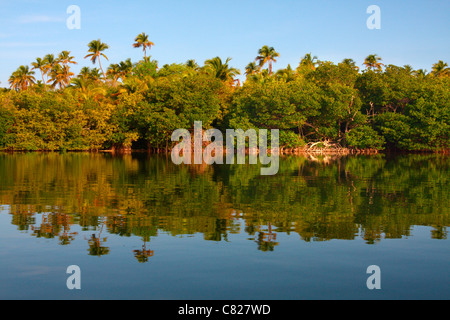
[100,64]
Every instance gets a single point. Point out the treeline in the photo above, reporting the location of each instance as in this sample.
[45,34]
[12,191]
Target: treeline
[318,104]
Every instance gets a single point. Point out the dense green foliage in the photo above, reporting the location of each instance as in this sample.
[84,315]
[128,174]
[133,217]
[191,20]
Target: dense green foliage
[139,105]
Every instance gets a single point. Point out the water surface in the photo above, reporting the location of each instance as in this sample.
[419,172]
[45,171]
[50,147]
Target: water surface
[140,227]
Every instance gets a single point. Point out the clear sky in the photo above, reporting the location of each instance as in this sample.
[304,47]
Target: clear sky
[412,32]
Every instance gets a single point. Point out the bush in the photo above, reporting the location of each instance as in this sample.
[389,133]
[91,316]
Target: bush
[365,137]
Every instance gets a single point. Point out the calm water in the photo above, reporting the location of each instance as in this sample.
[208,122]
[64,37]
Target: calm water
[141,228]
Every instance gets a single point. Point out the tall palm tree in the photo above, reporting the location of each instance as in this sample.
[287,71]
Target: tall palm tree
[22,78]
[143,41]
[309,62]
[267,55]
[220,69]
[373,62]
[96,48]
[41,65]
[440,69]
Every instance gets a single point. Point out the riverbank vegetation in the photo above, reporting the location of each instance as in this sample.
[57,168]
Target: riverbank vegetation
[317,104]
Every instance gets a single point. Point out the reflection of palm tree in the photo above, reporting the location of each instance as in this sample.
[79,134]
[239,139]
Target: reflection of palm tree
[266,241]
[65,237]
[143,255]
[95,245]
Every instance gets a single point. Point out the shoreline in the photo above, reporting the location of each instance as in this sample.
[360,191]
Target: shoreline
[296,151]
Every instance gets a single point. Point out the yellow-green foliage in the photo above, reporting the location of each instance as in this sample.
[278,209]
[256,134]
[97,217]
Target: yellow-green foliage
[141,105]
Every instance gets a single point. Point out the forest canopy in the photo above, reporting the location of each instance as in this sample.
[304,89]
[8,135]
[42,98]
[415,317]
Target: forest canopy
[139,105]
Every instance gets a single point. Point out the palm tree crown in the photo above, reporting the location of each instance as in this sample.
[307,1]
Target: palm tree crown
[373,62]
[143,41]
[251,69]
[65,58]
[22,78]
[309,62]
[96,48]
[220,69]
[40,64]
[267,55]
[440,69]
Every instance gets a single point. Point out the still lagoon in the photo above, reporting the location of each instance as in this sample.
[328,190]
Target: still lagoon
[140,227]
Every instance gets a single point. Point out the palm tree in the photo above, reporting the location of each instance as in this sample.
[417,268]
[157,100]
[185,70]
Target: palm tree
[251,69]
[351,63]
[287,74]
[84,73]
[65,58]
[373,62]
[80,83]
[267,55]
[95,48]
[309,62]
[409,69]
[22,78]
[421,73]
[440,69]
[114,72]
[14,81]
[192,64]
[94,74]
[126,68]
[41,65]
[220,69]
[60,76]
[143,41]
[50,62]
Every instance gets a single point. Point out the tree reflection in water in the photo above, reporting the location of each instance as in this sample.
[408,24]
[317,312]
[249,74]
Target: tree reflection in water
[318,198]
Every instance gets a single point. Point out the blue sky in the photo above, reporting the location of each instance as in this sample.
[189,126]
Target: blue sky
[412,32]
